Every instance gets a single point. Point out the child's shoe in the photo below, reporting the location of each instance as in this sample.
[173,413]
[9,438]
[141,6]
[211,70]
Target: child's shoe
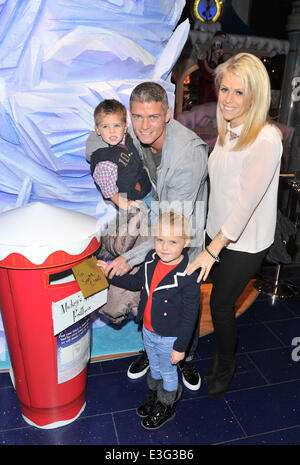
[153,384]
[164,409]
[145,409]
[159,416]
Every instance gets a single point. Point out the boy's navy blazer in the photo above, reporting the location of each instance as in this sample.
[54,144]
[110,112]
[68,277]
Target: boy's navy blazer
[175,301]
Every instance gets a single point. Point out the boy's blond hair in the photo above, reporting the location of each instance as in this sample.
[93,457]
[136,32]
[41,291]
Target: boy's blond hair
[172,222]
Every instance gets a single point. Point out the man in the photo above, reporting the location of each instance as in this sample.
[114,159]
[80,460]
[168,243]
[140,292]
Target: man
[176,161]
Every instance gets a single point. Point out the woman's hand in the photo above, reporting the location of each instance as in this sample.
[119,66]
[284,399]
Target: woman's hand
[203,261]
[176,357]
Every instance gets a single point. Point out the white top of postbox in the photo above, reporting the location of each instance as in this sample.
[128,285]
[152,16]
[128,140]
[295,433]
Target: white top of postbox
[38,229]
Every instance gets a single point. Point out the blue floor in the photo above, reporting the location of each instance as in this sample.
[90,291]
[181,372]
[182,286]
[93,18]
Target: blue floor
[262,405]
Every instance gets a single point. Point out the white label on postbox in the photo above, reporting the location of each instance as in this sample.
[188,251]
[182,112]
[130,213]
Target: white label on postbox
[73,308]
[73,350]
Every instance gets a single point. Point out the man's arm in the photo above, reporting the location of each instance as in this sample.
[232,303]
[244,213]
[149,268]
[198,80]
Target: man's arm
[137,254]
[124,263]
[93,143]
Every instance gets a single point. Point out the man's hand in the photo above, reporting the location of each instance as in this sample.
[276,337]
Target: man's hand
[118,267]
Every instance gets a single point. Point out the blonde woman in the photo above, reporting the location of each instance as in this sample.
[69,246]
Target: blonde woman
[244,173]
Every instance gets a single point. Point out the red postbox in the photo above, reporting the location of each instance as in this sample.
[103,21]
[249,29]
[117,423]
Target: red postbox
[39,245]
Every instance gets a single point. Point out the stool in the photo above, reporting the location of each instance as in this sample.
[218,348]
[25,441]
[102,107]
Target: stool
[276,288]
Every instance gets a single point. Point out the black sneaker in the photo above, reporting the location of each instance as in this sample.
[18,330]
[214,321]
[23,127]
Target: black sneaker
[190,376]
[139,367]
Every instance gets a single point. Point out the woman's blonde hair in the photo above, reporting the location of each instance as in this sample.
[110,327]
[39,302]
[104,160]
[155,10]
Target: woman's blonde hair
[256,86]
[172,222]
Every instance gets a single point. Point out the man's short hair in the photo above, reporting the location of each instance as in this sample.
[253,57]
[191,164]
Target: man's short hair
[150,92]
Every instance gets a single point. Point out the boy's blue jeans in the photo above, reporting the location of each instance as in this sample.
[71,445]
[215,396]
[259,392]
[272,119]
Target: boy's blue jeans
[159,351]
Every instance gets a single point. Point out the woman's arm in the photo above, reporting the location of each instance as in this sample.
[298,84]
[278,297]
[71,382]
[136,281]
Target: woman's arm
[259,168]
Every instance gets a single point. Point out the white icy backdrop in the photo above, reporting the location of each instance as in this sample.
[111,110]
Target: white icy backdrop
[58,60]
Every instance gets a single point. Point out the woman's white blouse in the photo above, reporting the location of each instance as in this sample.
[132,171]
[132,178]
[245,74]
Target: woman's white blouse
[243,195]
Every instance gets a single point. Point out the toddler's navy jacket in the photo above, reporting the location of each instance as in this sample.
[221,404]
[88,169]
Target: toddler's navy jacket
[130,168]
[175,301]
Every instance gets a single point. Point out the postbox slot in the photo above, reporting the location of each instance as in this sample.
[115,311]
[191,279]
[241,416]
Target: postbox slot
[61,277]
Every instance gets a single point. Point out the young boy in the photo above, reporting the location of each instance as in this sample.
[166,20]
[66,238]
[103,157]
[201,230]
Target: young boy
[117,169]
[169,306]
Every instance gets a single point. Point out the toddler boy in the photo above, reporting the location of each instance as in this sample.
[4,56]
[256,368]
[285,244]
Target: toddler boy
[117,169]
[169,306]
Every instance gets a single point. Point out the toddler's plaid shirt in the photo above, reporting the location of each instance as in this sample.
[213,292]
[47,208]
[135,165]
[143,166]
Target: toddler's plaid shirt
[106,176]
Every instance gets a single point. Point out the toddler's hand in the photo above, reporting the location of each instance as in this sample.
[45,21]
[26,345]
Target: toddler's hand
[134,203]
[177,357]
[102,264]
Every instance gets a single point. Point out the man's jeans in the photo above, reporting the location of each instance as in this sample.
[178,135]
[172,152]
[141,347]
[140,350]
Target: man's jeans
[152,206]
[159,351]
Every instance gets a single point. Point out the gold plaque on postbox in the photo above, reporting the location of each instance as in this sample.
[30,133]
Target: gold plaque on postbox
[90,277]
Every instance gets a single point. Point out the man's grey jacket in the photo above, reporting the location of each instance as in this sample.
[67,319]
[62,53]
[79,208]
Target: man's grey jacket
[181,182]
